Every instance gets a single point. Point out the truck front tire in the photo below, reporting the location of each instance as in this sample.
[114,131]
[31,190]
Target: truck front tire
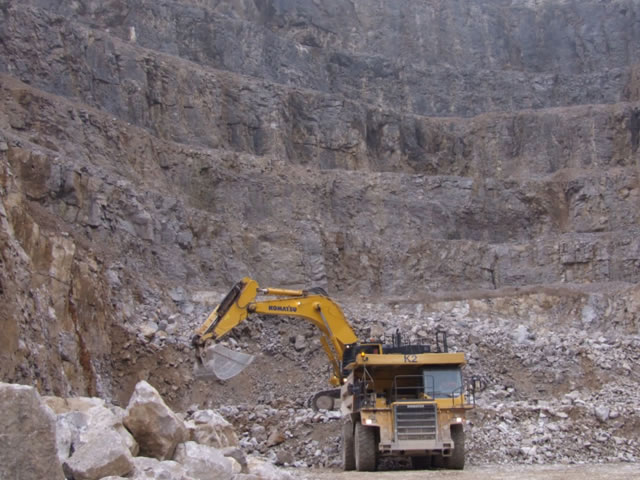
[348,454]
[456,460]
[365,448]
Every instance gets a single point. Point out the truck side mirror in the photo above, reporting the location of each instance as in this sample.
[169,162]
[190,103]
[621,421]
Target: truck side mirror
[477,384]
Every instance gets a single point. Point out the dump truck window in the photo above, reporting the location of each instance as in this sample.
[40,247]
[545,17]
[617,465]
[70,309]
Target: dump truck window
[442,382]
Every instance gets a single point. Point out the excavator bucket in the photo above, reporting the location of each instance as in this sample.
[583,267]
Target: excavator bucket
[222,362]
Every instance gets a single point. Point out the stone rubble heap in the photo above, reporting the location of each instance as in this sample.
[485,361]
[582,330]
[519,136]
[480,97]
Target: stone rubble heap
[83,438]
[580,428]
[285,433]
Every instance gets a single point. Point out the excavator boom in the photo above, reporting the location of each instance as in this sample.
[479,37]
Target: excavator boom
[241,302]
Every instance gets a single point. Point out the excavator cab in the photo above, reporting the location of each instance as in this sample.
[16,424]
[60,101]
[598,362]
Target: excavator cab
[352,350]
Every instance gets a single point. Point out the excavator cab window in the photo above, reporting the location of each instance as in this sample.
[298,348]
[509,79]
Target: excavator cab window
[442,382]
[354,349]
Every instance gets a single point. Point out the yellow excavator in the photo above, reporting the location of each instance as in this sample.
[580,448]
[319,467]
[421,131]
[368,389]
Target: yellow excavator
[397,399]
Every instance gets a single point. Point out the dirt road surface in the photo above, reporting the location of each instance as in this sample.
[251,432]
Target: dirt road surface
[495,472]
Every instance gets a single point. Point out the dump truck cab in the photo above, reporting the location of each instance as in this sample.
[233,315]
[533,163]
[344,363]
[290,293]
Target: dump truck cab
[403,401]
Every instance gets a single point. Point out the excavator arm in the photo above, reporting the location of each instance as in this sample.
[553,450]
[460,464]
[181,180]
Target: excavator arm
[312,306]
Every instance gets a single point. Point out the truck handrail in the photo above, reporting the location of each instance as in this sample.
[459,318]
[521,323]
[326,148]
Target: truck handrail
[404,391]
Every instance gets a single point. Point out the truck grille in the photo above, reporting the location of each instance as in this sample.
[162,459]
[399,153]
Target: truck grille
[416,422]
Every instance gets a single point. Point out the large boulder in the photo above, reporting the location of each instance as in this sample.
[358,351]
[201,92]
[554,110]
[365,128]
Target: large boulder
[76,428]
[27,435]
[210,428]
[154,426]
[79,419]
[101,456]
[112,418]
[205,463]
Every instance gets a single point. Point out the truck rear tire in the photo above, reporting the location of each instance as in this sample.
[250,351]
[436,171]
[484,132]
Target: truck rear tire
[456,460]
[365,448]
[348,453]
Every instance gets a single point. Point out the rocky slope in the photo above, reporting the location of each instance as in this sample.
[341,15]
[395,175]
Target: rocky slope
[470,166]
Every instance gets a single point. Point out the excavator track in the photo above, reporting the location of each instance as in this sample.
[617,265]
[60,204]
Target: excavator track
[324,399]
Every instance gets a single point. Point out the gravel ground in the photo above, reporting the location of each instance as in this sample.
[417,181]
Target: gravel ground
[496,472]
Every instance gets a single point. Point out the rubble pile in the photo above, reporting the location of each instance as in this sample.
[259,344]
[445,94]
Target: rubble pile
[579,428]
[288,435]
[84,438]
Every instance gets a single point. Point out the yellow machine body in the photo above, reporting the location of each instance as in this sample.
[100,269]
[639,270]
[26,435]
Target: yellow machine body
[394,398]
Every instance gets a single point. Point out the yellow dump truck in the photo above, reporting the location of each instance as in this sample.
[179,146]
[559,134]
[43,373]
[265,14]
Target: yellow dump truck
[403,400]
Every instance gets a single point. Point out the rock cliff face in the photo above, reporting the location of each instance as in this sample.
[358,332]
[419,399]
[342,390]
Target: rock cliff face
[390,151]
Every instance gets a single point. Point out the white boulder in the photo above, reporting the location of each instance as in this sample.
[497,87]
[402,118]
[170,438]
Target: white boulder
[154,426]
[210,428]
[77,428]
[101,456]
[205,463]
